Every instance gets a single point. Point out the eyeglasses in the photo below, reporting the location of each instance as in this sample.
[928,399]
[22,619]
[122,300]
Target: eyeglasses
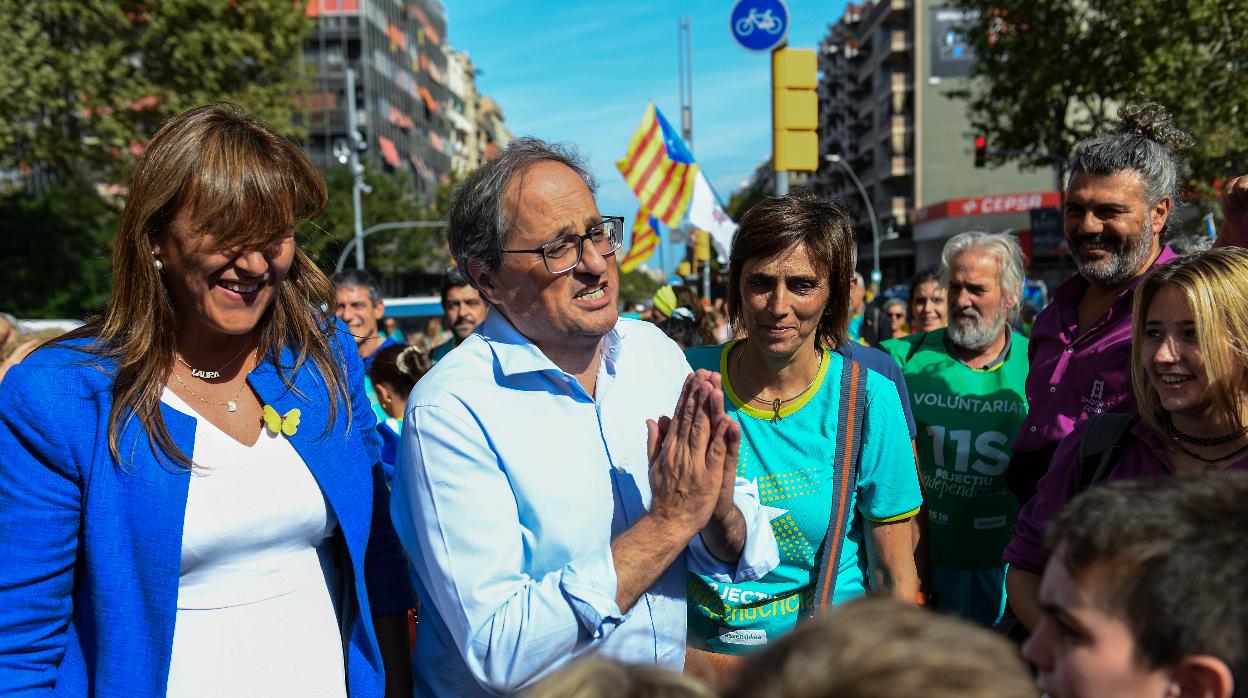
[897,316]
[563,255]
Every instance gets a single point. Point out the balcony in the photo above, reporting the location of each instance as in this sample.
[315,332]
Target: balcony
[898,207]
[900,166]
[899,41]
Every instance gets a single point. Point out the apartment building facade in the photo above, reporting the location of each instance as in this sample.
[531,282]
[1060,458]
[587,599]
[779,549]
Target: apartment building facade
[887,69]
[397,49]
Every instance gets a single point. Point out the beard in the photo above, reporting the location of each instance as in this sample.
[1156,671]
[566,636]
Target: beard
[970,330]
[1127,256]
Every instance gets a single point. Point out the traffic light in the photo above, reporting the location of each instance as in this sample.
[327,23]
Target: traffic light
[794,110]
[981,150]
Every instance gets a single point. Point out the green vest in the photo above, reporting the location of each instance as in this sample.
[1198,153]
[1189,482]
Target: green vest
[967,420]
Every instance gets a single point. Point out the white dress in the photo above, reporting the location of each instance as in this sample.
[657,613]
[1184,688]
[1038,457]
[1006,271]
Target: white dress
[257,596]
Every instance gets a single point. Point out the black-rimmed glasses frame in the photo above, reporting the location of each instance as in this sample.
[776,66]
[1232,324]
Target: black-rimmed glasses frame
[613,236]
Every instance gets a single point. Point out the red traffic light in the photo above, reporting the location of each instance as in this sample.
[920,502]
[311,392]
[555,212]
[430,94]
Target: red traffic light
[981,142]
[981,150]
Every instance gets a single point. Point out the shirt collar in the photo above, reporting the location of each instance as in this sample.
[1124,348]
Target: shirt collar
[995,363]
[518,354]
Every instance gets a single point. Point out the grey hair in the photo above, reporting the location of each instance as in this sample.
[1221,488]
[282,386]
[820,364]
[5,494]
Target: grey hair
[360,278]
[1146,145]
[477,222]
[1004,248]
[895,301]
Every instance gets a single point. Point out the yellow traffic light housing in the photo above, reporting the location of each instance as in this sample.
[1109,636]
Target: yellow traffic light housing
[795,110]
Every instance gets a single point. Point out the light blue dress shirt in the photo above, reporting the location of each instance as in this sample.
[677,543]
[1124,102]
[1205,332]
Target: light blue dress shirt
[512,482]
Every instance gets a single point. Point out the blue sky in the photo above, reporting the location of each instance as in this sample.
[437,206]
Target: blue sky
[582,72]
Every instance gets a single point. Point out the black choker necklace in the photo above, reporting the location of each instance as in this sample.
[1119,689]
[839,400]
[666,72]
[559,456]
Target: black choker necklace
[1201,440]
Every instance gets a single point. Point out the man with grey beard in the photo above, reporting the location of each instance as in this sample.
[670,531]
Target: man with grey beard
[966,384]
[1122,192]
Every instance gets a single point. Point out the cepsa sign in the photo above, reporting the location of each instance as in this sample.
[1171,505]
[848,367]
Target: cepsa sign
[987,205]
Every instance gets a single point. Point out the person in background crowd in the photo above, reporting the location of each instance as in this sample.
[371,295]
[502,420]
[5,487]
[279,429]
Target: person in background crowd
[879,648]
[8,328]
[432,335]
[894,312]
[1144,595]
[1122,190]
[390,328]
[463,308]
[927,301]
[1027,319]
[603,678]
[191,500]
[842,522]
[1189,369]
[358,303]
[721,329]
[682,328]
[858,307]
[670,298]
[966,382]
[540,523]
[394,373]
[1234,201]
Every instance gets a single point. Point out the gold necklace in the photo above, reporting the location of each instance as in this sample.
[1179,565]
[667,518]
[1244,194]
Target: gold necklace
[229,405]
[210,375]
[776,403]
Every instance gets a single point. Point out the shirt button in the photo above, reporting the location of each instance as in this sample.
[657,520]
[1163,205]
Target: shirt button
[1052,388]
[1033,430]
[1070,350]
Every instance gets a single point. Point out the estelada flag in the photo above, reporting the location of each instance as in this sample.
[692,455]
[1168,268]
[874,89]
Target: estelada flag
[645,240]
[659,168]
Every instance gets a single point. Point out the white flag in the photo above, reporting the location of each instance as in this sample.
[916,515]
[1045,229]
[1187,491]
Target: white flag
[706,213]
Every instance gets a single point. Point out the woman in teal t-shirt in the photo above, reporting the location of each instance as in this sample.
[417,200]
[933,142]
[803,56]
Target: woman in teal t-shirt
[789,277]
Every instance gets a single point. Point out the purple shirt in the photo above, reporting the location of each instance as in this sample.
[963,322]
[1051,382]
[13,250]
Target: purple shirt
[1142,457]
[1075,375]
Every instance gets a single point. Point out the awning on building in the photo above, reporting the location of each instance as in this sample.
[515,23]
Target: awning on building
[429,100]
[390,152]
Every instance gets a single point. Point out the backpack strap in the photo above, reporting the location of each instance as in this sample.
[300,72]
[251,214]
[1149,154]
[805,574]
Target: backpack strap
[852,412]
[1102,445]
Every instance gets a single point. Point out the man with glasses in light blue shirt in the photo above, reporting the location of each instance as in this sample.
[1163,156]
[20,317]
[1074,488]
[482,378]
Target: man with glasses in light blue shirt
[562,468]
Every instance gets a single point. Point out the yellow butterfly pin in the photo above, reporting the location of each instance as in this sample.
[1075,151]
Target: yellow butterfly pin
[287,425]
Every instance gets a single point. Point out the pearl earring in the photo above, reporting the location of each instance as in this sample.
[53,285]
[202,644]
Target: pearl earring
[160,266]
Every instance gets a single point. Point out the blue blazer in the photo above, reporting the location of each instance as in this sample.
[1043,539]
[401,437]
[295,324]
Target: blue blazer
[90,549]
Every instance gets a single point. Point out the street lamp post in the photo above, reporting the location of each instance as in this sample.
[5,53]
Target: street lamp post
[875,228]
[357,242]
[348,153]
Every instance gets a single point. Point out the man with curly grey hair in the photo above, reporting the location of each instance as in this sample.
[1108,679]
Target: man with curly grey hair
[966,386]
[1120,198]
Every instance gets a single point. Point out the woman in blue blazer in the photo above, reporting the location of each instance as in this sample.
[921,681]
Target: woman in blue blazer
[191,498]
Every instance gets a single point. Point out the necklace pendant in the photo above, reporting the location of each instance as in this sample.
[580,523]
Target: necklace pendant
[775,410]
[231,406]
[205,375]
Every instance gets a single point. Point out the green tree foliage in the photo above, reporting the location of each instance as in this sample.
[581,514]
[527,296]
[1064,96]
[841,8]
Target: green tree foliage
[393,199]
[83,83]
[56,248]
[1052,72]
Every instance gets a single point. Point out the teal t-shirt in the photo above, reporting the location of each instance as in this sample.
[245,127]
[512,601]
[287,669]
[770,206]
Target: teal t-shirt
[791,461]
[967,420]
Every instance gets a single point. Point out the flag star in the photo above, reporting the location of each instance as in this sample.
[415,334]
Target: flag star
[773,513]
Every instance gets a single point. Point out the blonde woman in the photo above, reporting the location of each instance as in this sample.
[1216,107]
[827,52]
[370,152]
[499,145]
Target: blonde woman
[1189,371]
[190,487]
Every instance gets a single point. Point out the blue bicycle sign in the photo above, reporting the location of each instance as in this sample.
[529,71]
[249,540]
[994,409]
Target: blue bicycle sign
[759,25]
